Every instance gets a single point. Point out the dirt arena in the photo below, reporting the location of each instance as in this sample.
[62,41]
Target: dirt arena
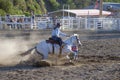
[99,57]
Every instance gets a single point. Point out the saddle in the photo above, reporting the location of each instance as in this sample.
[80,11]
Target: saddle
[52,41]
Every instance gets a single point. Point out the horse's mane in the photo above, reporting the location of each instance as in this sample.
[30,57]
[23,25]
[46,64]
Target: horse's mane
[75,35]
[71,37]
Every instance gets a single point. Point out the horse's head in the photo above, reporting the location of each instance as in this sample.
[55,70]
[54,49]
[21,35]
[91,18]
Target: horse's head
[76,36]
[74,39]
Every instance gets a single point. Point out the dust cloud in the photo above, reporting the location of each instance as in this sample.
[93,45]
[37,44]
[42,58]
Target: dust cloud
[11,47]
[10,50]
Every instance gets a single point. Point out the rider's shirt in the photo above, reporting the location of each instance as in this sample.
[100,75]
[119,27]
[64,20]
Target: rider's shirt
[56,32]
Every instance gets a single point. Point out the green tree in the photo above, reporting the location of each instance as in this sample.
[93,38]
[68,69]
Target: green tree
[20,4]
[42,6]
[2,12]
[6,5]
[55,5]
[71,4]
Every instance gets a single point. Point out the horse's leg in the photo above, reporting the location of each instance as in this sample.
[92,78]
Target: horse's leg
[45,56]
[75,56]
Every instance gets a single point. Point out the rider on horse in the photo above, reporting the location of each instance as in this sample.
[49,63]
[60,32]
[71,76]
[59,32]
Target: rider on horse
[56,34]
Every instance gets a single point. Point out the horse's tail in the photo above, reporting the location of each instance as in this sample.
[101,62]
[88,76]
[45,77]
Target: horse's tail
[27,52]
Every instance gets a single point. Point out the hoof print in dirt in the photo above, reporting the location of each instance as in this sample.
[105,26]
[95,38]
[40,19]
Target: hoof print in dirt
[68,63]
[42,64]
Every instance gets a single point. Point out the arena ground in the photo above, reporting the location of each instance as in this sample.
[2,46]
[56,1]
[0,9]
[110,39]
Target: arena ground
[99,57]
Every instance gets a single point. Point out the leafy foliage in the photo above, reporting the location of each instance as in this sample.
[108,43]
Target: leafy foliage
[2,12]
[27,7]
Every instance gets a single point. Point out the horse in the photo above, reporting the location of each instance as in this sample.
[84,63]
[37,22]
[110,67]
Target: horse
[44,48]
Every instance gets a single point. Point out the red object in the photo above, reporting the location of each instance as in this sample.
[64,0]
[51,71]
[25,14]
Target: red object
[96,4]
[74,48]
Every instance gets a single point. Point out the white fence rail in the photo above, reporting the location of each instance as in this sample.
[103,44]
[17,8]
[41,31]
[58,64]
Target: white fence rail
[91,23]
[67,23]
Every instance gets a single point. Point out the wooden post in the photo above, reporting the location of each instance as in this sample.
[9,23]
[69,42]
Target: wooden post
[101,8]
